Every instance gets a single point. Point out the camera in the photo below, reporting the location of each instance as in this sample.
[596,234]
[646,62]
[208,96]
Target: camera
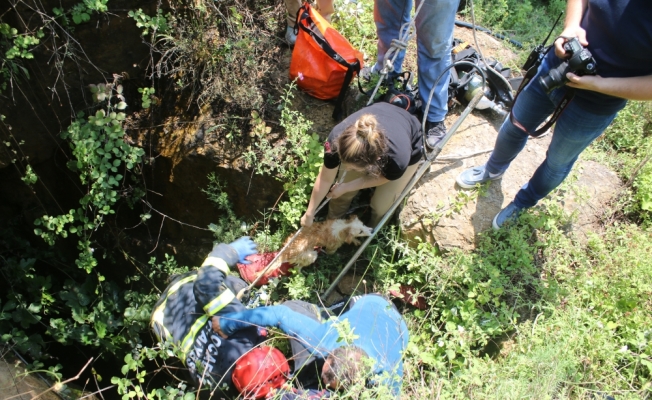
[580,62]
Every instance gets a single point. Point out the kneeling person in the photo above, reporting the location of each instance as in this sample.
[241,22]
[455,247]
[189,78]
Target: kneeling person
[182,316]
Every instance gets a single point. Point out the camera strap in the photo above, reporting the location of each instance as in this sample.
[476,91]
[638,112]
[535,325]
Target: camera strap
[531,72]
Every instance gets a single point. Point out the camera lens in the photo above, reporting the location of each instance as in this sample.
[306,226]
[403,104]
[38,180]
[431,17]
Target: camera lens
[555,78]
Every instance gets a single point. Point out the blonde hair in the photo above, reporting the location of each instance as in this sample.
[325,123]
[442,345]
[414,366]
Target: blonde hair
[363,145]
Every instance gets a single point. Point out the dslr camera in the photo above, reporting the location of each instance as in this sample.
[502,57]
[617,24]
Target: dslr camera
[580,62]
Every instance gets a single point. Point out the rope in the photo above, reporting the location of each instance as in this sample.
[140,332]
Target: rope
[408,30]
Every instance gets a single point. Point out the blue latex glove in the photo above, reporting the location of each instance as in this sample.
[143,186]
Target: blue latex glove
[244,247]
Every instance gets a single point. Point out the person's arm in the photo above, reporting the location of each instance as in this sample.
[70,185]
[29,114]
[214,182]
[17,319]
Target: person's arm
[574,12]
[323,184]
[208,287]
[291,322]
[356,184]
[631,88]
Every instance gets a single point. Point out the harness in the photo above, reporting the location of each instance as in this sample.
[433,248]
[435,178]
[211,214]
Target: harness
[210,309]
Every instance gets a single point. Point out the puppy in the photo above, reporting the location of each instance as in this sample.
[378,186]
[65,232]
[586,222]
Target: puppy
[329,234]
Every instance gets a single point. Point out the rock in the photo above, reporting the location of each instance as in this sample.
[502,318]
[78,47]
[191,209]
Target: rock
[18,384]
[440,212]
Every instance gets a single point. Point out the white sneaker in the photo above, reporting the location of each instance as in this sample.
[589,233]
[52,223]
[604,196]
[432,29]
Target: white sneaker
[290,37]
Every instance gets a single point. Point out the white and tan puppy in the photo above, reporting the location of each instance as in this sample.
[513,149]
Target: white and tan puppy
[329,234]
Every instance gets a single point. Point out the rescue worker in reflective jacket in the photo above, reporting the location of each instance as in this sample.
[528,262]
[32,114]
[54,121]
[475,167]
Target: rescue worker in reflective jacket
[183,316]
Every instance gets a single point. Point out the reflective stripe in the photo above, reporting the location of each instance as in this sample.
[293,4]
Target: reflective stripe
[158,315]
[186,344]
[211,308]
[217,263]
[219,302]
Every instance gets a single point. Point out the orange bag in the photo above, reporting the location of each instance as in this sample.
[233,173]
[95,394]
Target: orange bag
[323,60]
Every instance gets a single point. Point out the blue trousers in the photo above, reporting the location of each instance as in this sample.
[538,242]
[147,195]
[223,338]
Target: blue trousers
[574,130]
[434,28]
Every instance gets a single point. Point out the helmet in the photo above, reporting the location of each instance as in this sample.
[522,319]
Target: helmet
[259,371]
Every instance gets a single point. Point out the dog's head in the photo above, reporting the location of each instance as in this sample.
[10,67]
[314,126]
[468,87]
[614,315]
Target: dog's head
[352,227]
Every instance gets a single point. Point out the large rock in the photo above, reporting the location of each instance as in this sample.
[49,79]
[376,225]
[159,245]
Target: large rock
[440,212]
[16,383]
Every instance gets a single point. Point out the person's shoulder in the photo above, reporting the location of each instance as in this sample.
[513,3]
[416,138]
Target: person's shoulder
[372,300]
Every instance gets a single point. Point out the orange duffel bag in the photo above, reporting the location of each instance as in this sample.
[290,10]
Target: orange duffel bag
[323,60]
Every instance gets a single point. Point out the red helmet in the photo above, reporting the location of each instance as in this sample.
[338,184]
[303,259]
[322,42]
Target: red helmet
[259,371]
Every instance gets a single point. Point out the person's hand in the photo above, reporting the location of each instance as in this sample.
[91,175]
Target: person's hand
[307,220]
[337,190]
[568,33]
[215,324]
[244,247]
[587,82]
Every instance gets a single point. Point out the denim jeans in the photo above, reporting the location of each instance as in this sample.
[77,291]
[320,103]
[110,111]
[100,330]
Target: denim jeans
[434,28]
[574,130]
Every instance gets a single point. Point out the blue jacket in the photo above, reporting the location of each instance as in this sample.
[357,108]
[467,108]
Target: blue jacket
[380,329]
[182,316]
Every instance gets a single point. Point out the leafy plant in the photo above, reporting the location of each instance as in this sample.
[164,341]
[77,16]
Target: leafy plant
[355,21]
[155,24]
[526,21]
[102,156]
[30,177]
[627,145]
[147,96]
[219,51]
[296,162]
[16,47]
[229,227]
[81,12]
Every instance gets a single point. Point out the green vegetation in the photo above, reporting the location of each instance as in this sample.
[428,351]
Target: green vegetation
[626,146]
[532,312]
[527,21]
[296,162]
[102,157]
[15,48]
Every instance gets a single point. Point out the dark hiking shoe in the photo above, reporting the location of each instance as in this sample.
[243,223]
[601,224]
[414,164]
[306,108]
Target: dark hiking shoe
[435,132]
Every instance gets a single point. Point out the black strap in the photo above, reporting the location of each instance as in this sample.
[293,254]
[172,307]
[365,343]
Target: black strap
[570,93]
[351,68]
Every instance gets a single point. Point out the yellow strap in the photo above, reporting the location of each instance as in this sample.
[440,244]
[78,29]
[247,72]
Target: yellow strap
[460,47]
[217,263]
[219,302]
[157,316]
[211,309]
[187,342]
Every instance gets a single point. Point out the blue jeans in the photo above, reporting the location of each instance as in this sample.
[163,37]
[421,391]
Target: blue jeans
[434,28]
[574,130]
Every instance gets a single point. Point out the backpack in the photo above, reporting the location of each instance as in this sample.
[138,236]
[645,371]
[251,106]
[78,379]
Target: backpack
[402,92]
[323,61]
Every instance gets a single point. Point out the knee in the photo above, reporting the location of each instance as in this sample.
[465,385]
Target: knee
[512,131]
[557,165]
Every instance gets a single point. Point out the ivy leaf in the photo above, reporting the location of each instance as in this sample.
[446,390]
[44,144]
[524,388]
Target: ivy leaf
[100,328]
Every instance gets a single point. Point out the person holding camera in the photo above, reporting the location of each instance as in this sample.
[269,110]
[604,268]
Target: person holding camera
[618,37]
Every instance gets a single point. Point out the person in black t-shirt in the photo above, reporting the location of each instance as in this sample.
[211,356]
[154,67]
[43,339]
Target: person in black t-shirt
[378,146]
